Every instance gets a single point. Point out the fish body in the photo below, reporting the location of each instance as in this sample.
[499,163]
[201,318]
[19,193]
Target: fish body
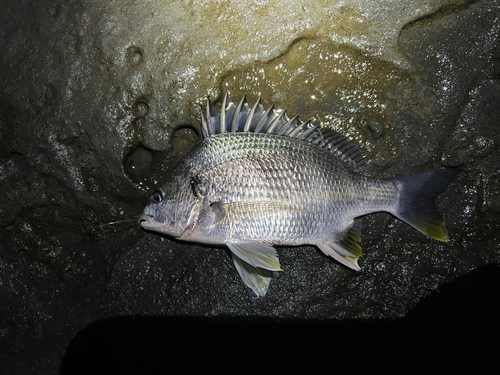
[259,179]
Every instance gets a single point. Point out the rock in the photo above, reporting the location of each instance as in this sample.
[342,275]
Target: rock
[99,101]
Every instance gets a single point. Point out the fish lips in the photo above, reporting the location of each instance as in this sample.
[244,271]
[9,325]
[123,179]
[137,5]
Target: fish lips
[147,221]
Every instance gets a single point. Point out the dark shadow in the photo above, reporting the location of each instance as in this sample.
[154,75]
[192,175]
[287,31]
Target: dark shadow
[455,330]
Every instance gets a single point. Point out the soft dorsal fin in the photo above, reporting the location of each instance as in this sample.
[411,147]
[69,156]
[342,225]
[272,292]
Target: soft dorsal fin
[242,118]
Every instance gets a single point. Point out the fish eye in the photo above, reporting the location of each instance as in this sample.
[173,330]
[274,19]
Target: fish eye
[158,195]
[195,181]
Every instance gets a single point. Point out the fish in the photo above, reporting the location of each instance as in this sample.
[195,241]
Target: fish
[259,179]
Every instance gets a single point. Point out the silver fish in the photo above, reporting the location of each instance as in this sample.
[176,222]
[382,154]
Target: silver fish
[260,179]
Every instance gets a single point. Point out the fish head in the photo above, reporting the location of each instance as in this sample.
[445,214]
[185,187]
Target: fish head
[170,209]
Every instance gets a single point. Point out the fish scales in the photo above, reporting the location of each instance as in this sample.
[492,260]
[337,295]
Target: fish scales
[294,193]
[259,179]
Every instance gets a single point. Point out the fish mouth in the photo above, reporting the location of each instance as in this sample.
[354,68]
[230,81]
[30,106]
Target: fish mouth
[145,220]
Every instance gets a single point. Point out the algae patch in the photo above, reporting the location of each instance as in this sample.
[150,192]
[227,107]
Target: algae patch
[339,86]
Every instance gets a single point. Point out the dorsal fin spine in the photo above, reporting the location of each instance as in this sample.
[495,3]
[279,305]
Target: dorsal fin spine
[274,125]
[204,126]
[223,114]
[263,120]
[238,113]
[211,116]
[250,117]
[307,132]
[289,126]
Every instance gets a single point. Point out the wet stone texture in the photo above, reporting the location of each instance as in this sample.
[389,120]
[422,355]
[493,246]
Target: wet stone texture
[99,100]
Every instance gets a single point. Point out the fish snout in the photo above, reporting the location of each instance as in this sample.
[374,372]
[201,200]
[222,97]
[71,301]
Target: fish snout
[145,220]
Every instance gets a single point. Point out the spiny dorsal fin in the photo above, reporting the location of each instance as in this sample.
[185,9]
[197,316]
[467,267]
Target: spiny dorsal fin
[242,118]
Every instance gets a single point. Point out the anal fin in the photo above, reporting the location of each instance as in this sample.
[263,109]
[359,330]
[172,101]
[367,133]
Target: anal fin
[347,250]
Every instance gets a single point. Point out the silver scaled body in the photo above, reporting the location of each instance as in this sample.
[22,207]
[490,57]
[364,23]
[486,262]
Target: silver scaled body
[277,190]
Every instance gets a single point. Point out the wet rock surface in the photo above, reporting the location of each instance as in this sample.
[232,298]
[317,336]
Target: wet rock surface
[98,101]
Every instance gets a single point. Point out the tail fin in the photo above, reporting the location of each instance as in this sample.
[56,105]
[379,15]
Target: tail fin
[416,204]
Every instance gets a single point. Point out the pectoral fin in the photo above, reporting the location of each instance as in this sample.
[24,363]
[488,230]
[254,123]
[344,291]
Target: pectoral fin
[257,279]
[257,254]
